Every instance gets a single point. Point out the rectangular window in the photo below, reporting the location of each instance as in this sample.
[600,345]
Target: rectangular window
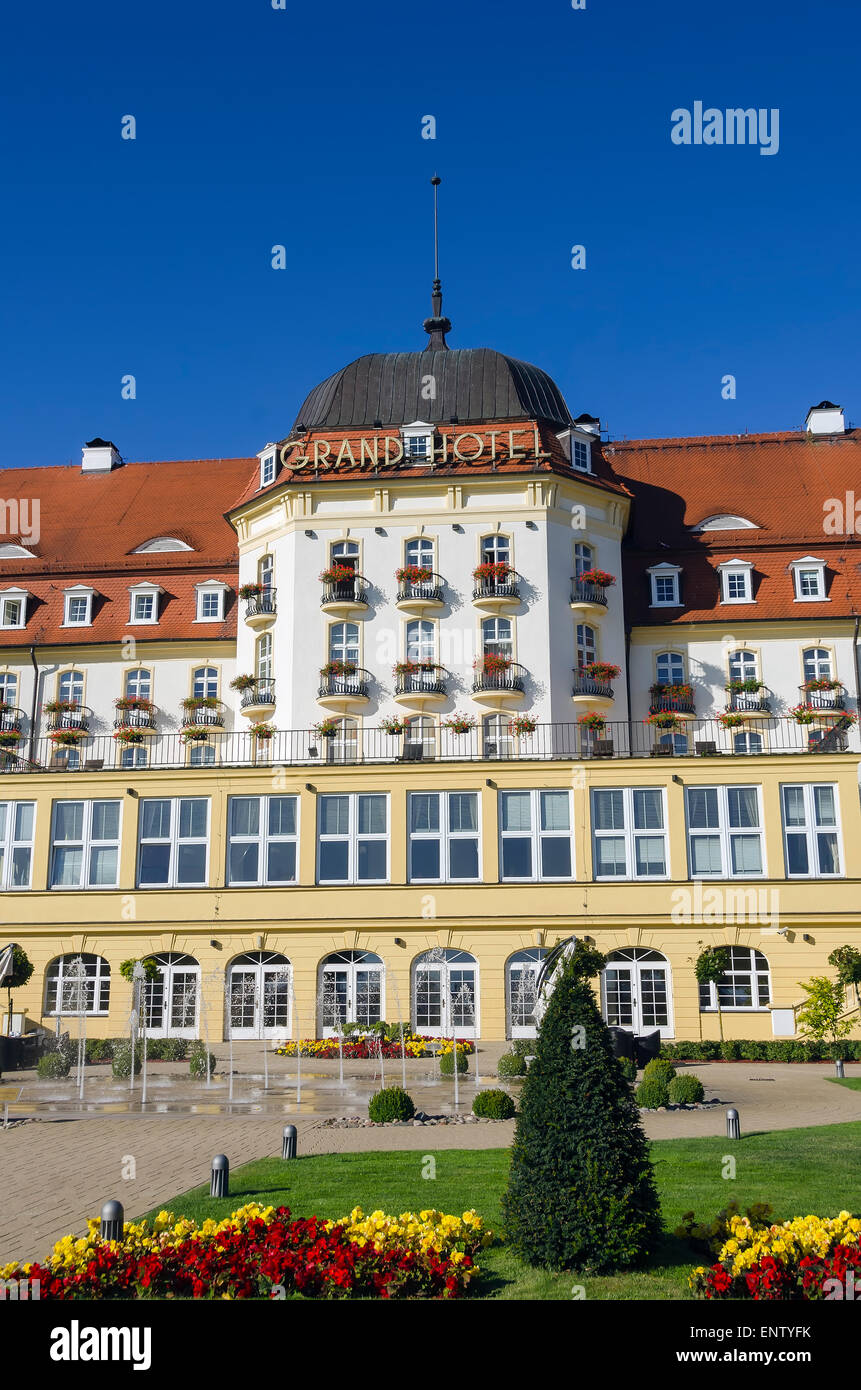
[78,612]
[665,590]
[535,835]
[808,583]
[267,470]
[13,612]
[811,833]
[85,844]
[725,832]
[210,605]
[629,833]
[17,819]
[580,455]
[262,839]
[444,837]
[736,586]
[353,838]
[174,842]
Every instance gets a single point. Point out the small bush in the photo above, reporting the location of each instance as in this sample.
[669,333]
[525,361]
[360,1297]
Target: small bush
[629,1068]
[511,1064]
[154,1049]
[100,1049]
[198,1061]
[659,1069]
[493,1105]
[53,1066]
[391,1103]
[523,1047]
[652,1092]
[686,1090]
[121,1062]
[174,1049]
[446,1063]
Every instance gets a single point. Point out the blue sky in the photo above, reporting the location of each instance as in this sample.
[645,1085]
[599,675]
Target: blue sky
[258,127]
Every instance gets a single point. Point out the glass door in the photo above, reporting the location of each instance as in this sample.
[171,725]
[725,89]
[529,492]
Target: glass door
[351,990]
[636,992]
[172,998]
[259,996]
[445,994]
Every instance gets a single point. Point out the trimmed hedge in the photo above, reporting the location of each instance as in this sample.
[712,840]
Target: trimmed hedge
[629,1068]
[391,1103]
[53,1066]
[493,1105]
[686,1090]
[511,1064]
[659,1069]
[446,1063]
[762,1050]
[652,1092]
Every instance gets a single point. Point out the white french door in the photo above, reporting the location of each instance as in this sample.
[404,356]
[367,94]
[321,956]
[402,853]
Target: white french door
[172,999]
[636,992]
[259,996]
[445,994]
[351,990]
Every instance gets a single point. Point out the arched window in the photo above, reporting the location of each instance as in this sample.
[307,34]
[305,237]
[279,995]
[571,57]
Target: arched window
[263,657]
[586,645]
[496,550]
[259,991]
[419,551]
[498,739]
[522,991]
[205,683]
[77,984]
[346,553]
[344,642]
[172,1000]
[742,666]
[636,991]
[134,756]
[817,664]
[496,637]
[584,558]
[351,989]
[744,985]
[138,684]
[265,571]
[201,755]
[8,688]
[343,748]
[669,668]
[445,993]
[747,743]
[421,641]
[70,686]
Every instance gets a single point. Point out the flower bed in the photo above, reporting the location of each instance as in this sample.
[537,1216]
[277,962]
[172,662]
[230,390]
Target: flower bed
[259,1251]
[788,1260]
[368,1048]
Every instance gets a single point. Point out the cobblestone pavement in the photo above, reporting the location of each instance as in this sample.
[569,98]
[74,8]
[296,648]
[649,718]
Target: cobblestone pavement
[56,1172]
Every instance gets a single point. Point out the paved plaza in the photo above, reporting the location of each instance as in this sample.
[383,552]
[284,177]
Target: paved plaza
[58,1170]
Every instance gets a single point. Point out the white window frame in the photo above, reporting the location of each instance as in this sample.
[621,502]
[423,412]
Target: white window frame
[630,834]
[141,591]
[10,842]
[86,841]
[174,840]
[535,835]
[353,837]
[263,838]
[725,832]
[750,971]
[420,432]
[76,595]
[17,598]
[817,664]
[444,836]
[581,456]
[268,469]
[811,830]
[810,564]
[101,977]
[205,590]
[732,570]
[671,572]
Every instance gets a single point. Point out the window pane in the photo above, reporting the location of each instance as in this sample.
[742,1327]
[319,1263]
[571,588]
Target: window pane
[243,863]
[244,815]
[103,867]
[334,815]
[826,810]
[192,818]
[608,809]
[334,859]
[555,857]
[67,868]
[23,821]
[154,863]
[155,820]
[68,820]
[650,855]
[281,861]
[191,864]
[648,810]
[829,861]
[796,854]
[463,858]
[20,867]
[282,815]
[705,854]
[516,814]
[371,859]
[703,808]
[743,806]
[463,811]
[424,811]
[106,820]
[793,805]
[746,854]
[554,811]
[372,815]
[424,859]
[610,856]
[516,858]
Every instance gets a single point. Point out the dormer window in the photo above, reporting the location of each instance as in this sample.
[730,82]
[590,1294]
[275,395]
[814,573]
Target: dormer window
[210,601]
[577,444]
[267,470]
[736,581]
[78,607]
[13,607]
[144,603]
[418,441]
[580,456]
[808,576]
[664,581]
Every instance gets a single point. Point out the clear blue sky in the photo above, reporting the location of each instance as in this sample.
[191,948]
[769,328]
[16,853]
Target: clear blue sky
[258,126]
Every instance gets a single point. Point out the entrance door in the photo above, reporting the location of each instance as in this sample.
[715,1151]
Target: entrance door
[172,999]
[445,994]
[259,996]
[636,992]
[351,990]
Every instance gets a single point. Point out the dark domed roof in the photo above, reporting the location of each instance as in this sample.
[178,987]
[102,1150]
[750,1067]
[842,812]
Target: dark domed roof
[472,384]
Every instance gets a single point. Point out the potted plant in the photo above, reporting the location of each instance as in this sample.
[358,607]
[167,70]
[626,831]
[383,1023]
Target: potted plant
[822,683]
[135,702]
[61,706]
[413,574]
[600,578]
[522,725]
[460,723]
[804,714]
[664,719]
[242,682]
[730,719]
[126,735]
[9,737]
[602,671]
[673,690]
[5,707]
[392,726]
[66,738]
[492,572]
[492,663]
[327,728]
[338,667]
[194,735]
[209,701]
[710,967]
[589,720]
[263,732]
[250,590]
[337,574]
[749,686]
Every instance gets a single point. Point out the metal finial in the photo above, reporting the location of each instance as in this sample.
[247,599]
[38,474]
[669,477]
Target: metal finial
[436,326]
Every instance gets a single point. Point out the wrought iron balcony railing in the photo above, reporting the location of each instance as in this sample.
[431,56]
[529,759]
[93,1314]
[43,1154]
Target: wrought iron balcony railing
[497,588]
[824,699]
[11,721]
[260,604]
[662,704]
[428,680]
[749,702]
[510,678]
[203,716]
[588,685]
[262,692]
[77,719]
[427,590]
[588,593]
[134,718]
[354,683]
[352,590]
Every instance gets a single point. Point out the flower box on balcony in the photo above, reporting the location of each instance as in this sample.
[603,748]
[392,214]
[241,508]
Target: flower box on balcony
[492,572]
[9,738]
[134,702]
[522,725]
[413,574]
[67,738]
[193,734]
[327,728]
[128,736]
[601,671]
[411,668]
[243,682]
[392,726]
[263,732]
[822,683]
[250,590]
[208,701]
[592,721]
[460,723]
[62,707]
[600,578]
[338,668]
[730,719]
[751,686]
[337,574]
[804,714]
[492,664]
[679,691]
[664,719]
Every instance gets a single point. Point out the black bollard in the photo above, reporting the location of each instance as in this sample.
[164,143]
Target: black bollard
[838,1067]
[288,1142]
[220,1181]
[111,1227]
[733,1128]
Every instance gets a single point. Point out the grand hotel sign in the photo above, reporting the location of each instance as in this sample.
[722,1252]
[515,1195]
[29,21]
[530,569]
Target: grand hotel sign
[361,452]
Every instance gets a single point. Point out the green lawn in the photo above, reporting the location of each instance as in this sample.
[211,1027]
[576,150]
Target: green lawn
[853,1082]
[796,1170]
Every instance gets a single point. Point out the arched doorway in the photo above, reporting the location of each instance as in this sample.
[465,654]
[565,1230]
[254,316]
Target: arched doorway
[172,999]
[636,991]
[259,988]
[351,990]
[445,993]
[521,976]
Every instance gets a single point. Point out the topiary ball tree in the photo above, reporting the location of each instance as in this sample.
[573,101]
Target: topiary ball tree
[581,1190]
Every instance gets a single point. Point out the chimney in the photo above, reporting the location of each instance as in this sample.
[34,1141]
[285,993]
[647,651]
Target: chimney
[100,456]
[825,418]
[589,423]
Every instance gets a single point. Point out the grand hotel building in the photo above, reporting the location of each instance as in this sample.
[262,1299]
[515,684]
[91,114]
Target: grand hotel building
[362,725]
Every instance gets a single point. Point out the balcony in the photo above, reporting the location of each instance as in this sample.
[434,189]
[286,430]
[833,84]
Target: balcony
[260,609]
[498,687]
[496,592]
[590,599]
[11,720]
[205,713]
[588,690]
[140,717]
[417,595]
[825,700]
[420,687]
[70,720]
[344,690]
[344,596]
[258,700]
[672,699]
[752,704]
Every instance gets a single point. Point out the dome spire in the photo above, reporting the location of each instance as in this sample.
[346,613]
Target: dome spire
[436,326]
